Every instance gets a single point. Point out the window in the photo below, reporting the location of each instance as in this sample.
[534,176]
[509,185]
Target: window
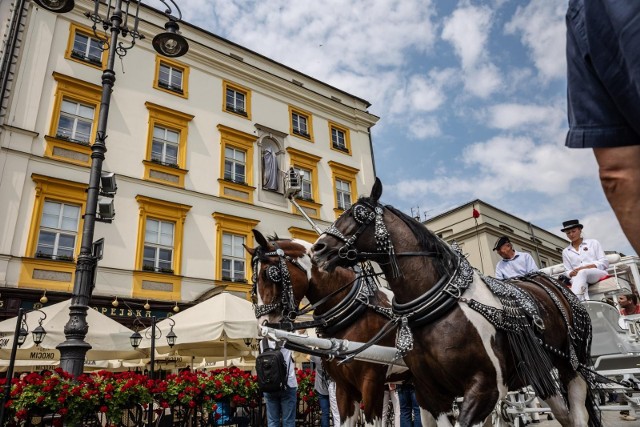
[58,230]
[83,46]
[164,148]
[74,122]
[340,138]
[54,234]
[158,262]
[158,246]
[234,165]
[306,183]
[301,123]
[171,76]
[233,259]
[343,191]
[309,197]
[166,159]
[236,100]
[87,48]
[344,181]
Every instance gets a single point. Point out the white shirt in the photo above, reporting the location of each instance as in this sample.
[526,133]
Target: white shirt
[521,264]
[589,252]
[292,382]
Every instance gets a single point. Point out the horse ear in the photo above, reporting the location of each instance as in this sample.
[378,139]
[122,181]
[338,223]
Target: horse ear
[260,239]
[376,191]
[252,251]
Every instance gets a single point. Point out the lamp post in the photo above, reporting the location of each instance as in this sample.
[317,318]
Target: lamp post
[136,338]
[19,337]
[74,349]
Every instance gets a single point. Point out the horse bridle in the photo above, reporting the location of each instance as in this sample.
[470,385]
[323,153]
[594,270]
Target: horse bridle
[364,214]
[276,274]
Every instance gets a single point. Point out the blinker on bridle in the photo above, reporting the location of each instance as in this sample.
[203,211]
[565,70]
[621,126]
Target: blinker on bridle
[364,213]
[277,274]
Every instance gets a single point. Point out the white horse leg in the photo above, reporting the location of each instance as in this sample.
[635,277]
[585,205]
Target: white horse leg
[352,420]
[427,419]
[560,410]
[577,391]
[442,420]
[376,422]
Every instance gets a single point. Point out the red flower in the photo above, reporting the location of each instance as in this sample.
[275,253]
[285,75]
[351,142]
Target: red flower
[104,408]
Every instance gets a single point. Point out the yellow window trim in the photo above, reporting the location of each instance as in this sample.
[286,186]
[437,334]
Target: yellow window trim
[242,141]
[178,173]
[309,118]
[174,64]
[79,91]
[347,174]
[149,276]
[60,144]
[303,234]
[86,31]
[164,211]
[238,88]
[232,224]
[60,190]
[174,120]
[347,138]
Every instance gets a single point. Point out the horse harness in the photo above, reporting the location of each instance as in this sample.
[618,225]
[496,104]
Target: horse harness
[519,313]
[347,311]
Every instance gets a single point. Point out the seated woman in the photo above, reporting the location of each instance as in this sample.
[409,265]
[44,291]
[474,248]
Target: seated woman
[584,260]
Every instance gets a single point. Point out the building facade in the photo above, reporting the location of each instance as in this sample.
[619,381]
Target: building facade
[199,147]
[477,234]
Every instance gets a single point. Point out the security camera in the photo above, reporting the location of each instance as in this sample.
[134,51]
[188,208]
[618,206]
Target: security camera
[106,209]
[108,184]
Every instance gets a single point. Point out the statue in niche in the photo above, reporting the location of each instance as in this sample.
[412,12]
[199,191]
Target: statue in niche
[270,169]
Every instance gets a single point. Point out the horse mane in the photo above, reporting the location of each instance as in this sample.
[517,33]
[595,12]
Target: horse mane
[446,259]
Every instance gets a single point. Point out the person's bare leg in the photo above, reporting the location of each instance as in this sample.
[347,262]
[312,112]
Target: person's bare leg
[620,178]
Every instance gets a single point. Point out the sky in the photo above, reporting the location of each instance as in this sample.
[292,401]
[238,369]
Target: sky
[471,97]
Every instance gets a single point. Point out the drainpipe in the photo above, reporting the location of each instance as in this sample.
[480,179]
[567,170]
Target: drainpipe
[535,242]
[16,22]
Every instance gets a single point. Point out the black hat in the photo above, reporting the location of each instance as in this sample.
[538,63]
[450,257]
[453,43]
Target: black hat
[501,241]
[572,223]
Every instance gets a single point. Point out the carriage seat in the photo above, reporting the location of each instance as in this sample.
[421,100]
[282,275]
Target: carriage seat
[608,336]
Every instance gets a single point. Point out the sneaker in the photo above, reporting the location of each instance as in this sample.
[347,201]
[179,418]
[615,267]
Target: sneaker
[627,417]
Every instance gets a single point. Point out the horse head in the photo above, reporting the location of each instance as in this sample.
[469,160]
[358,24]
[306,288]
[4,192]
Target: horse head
[351,234]
[369,230]
[281,275]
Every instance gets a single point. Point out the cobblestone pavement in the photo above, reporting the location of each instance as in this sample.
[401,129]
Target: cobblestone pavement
[609,419]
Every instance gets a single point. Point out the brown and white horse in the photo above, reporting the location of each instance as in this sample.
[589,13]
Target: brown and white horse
[468,336]
[283,270]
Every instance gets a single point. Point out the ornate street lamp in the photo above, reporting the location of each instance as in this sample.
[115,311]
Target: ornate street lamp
[136,339]
[19,337]
[115,19]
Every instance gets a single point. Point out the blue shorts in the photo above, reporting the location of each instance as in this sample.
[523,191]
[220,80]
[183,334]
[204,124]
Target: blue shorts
[603,73]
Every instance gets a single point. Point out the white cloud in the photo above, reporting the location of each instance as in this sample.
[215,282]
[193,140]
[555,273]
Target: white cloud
[541,27]
[423,128]
[467,29]
[512,116]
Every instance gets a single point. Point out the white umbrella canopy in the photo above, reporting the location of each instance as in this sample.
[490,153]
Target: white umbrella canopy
[108,338]
[208,329]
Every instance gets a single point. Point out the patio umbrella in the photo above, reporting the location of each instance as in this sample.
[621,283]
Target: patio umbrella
[216,327]
[108,338]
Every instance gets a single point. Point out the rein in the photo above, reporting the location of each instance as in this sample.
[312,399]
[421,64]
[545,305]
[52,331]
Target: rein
[347,311]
